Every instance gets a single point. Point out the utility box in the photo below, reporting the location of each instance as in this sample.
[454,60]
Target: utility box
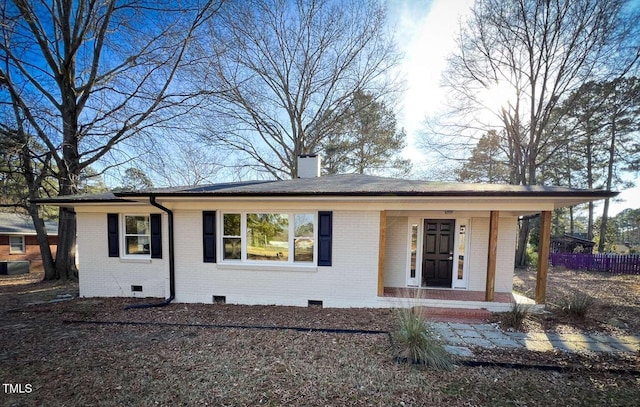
[8,268]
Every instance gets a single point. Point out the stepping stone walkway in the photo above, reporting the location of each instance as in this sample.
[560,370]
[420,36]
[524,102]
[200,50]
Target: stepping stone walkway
[458,335]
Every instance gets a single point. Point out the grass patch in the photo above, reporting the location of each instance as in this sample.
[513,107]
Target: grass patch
[417,343]
[577,305]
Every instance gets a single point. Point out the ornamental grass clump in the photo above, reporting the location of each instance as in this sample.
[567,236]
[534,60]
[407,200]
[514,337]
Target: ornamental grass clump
[515,317]
[577,305]
[417,343]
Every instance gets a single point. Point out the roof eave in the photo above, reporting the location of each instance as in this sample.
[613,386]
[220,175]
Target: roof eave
[456,194]
[59,202]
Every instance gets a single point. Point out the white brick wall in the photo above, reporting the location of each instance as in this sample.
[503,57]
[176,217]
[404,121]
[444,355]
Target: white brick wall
[506,254]
[103,276]
[395,261]
[352,277]
[351,281]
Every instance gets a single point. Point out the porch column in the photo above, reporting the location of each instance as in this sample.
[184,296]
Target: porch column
[381,252]
[543,257]
[492,256]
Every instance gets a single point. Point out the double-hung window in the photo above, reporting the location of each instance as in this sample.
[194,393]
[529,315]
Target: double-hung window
[269,237]
[16,245]
[134,236]
[232,236]
[137,235]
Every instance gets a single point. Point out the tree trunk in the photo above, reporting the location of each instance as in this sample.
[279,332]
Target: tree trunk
[590,222]
[555,220]
[603,226]
[605,211]
[66,253]
[43,242]
[34,182]
[572,226]
[523,240]
[590,184]
[69,176]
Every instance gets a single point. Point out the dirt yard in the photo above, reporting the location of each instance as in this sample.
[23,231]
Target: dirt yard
[92,351]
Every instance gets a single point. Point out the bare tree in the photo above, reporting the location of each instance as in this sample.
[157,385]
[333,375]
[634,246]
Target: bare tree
[26,176]
[181,163]
[91,75]
[534,53]
[289,70]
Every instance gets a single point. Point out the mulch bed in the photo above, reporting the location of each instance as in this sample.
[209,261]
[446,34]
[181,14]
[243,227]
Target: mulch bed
[616,301]
[163,360]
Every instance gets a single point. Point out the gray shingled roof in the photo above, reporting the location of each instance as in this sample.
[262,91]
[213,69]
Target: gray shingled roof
[18,224]
[340,185]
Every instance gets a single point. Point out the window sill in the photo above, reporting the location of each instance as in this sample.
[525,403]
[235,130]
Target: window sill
[135,260]
[260,267]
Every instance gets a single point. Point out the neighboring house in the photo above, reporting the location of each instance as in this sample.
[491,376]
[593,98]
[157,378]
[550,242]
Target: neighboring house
[339,241]
[19,249]
[571,244]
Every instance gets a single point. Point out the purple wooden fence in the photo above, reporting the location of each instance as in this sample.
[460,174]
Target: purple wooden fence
[611,263]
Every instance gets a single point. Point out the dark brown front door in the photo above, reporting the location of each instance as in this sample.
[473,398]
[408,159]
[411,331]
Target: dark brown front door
[437,257]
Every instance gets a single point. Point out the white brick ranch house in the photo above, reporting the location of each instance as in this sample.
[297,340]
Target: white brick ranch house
[342,241]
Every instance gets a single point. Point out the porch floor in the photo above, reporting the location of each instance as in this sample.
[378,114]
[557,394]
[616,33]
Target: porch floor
[446,295]
[454,301]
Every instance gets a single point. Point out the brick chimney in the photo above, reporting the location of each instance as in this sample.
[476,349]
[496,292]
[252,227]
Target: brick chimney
[309,166]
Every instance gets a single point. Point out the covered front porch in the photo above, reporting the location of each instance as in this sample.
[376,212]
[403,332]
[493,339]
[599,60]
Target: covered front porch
[478,253]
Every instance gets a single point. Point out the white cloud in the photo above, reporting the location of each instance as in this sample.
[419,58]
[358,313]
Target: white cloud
[628,198]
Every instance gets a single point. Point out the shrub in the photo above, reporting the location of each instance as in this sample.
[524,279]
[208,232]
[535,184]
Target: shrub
[577,305]
[532,256]
[514,318]
[417,343]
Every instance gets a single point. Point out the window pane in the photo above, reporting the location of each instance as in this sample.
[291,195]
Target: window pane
[267,236]
[137,225]
[232,248]
[137,245]
[16,244]
[461,248]
[304,238]
[303,250]
[231,224]
[304,225]
[414,249]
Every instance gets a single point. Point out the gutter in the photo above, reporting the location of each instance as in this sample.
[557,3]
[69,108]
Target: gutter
[172,263]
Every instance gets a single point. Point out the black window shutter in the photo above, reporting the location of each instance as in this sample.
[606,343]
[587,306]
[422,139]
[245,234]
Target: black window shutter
[209,236]
[112,234]
[155,219]
[325,221]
